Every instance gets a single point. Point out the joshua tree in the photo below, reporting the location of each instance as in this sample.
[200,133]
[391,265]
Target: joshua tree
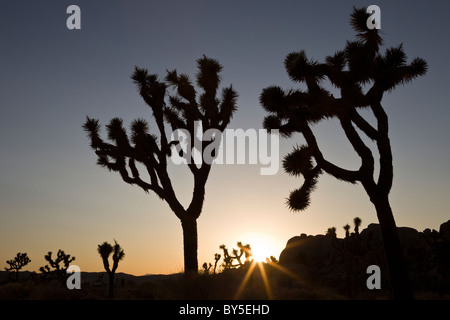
[357,221]
[61,257]
[184,110]
[227,259]
[362,75]
[19,261]
[246,249]
[237,256]
[217,257]
[206,268]
[331,232]
[347,228]
[105,250]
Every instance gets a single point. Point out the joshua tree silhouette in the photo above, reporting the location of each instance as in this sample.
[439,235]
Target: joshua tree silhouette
[206,268]
[59,271]
[347,228]
[359,66]
[19,261]
[105,250]
[244,250]
[331,232]
[227,259]
[183,111]
[217,257]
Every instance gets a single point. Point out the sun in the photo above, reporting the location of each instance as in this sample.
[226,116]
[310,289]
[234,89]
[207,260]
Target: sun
[259,253]
[263,246]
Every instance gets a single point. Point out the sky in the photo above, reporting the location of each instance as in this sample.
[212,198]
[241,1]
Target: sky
[53,195]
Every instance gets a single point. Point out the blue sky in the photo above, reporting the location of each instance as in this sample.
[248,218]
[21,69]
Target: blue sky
[53,196]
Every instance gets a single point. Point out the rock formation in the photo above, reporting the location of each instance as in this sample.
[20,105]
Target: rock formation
[342,263]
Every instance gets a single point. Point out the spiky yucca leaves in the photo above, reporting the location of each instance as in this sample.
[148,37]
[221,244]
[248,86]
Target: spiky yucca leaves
[359,65]
[175,104]
[357,221]
[302,69]
[104,250]
[358,21]
[300,162]
[300,199]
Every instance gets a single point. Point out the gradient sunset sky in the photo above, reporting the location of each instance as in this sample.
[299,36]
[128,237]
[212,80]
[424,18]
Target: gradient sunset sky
[53,195]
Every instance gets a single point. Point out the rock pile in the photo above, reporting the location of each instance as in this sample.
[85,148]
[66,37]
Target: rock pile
[342,263]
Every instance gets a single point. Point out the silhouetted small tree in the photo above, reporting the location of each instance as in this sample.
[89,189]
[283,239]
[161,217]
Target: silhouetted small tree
[227,259]
[206,268]
[105,250]
[272,259]
[362,75]
[347,228]
[331,232]
[244,250]
[184,110]
[357,221]
[19,261]
[217,257]
[58,271]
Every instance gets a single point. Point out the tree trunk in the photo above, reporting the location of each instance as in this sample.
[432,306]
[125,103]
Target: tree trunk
[398,272]
[190,245]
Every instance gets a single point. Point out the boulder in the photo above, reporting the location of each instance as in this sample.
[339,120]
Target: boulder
[343,262]
[444,231]
[310,250]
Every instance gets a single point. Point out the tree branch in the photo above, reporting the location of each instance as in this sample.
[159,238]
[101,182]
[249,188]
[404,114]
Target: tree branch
[198,195]
[384,147]
[330,168]
[363,125]
[367,161]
